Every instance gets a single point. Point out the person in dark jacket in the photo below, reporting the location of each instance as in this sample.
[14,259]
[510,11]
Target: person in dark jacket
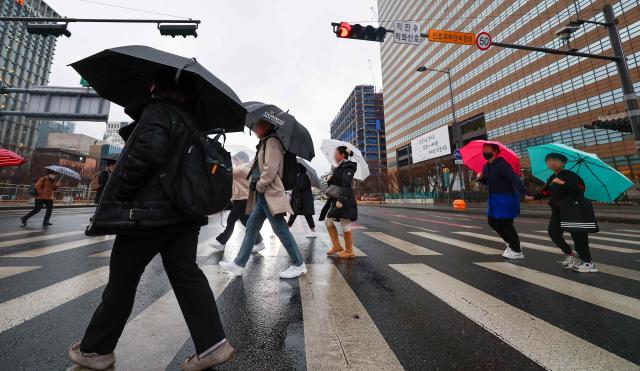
[561,186]
[302,200]
[342,208]
[503,206]
[135,208]
[103,178]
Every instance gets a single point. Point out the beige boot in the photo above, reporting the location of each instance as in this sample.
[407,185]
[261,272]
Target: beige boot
[335,241]
[348,246]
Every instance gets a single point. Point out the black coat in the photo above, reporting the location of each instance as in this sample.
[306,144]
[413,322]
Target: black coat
[133,201]
[572,189]
[301,196]
[342,177]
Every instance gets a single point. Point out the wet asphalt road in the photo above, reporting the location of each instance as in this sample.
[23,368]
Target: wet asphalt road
[381,310]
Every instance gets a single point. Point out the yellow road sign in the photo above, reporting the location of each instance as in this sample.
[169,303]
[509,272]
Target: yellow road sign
[454,37]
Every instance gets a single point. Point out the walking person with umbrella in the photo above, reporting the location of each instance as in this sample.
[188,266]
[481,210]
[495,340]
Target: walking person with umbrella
[45,186]
[278,131]
[165,94]
[505,188]
[302,200]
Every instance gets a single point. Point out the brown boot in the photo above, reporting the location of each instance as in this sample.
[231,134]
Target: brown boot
[335,241]
[348,246]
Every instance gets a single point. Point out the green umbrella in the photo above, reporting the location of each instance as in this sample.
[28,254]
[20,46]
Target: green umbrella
[602,182]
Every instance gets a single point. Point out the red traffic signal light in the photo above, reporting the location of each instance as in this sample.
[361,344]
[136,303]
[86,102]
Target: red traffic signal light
[344,30]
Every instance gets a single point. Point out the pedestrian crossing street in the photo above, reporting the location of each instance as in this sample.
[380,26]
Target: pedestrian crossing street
[330,302]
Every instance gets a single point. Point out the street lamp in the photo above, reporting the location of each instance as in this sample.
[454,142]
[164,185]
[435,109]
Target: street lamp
[456,126]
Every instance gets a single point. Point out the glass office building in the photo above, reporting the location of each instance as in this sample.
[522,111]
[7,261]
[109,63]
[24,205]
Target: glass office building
[361,123]
[25,60]
[518,97]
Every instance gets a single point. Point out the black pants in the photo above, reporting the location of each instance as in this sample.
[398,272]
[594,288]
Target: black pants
[38,206]
[505,229]
[309,218]
[580,240]
[237,212]
[129,257]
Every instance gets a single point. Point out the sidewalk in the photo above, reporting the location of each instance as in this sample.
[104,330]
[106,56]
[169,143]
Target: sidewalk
[609,214]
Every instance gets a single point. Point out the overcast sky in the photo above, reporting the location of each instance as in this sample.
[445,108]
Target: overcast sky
[277,51]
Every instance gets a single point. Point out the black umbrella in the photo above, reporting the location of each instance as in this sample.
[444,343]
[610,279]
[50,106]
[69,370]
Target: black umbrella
[294,136]
[124,75]
[311,173]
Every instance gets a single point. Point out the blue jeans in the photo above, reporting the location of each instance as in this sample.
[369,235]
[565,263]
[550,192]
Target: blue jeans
[279,226]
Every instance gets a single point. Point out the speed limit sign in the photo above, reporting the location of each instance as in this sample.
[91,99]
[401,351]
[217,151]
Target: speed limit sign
[483,41]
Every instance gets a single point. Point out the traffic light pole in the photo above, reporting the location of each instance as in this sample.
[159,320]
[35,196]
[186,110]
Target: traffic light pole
[96,20]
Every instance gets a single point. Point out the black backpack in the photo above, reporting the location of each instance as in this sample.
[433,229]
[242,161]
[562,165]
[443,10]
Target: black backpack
[32,189]
[202,182]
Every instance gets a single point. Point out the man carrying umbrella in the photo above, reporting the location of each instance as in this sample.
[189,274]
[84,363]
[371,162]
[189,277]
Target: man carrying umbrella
[45,186]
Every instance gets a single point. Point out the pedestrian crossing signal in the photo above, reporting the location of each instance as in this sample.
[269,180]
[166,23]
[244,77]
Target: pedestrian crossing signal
[344,30]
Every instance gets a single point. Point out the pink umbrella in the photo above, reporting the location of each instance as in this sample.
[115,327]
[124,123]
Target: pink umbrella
[472,155]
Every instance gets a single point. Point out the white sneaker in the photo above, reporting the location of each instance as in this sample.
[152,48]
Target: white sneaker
[585,267]
[293,271]
[312,235]
[510,254]
[569,261]
[232,268]
[216,245]
[258,247]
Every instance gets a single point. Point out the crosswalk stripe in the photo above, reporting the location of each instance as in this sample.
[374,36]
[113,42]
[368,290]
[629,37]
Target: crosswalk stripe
[593,236]
[623,250]
[333,339]
[416,227]
[459,243]
[437,221]
[101,254]
[630,230]
[606,299]
[152,339]
[39,238]
[536,339]
[408,247]
[11,271]
[620,234]
[17,233]
[604,268]
[19,310]
[59,247]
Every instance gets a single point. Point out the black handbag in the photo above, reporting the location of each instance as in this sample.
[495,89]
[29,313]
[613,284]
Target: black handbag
[333,191]
[576,215]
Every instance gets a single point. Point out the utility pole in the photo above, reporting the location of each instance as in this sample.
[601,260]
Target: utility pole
[630,97]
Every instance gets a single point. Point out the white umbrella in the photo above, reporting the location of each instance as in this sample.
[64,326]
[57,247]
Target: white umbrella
[328,147]
[235,149]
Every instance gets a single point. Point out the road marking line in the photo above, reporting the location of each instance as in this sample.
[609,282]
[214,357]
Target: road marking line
[533,337]
[408,247]
[156,335]
[623,250]
[606,299]
[592,236]
[604,268]
[629,230]
[333,339]
[59,247]
[459,243]
[17,233]
[11,271]
[19,310]
[39,238]
[102,254]
[620,234]
[436,221]
[324,236]
[416,227]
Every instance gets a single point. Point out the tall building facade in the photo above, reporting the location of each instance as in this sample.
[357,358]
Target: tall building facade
[360,122]
[47,127]
[25,60]
[111,135]
[517,97]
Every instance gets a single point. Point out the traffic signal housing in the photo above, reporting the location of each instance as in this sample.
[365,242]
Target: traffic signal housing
[174,30]
[345,30]
[48,29]
[621,124]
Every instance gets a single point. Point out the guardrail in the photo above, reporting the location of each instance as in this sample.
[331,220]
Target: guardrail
[68,195]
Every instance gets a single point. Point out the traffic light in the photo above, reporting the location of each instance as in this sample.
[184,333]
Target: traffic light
[621,124]
[48,29]
[344,30]
[174,30]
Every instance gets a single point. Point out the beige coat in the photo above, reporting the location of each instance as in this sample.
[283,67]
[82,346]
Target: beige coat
[270,159]
[240,188]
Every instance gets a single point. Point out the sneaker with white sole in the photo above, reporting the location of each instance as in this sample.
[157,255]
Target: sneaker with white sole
[312,234]
[216,245]
[232,268]
[258,247]
[585,267]
[294,271]
[569,261]
[510,254]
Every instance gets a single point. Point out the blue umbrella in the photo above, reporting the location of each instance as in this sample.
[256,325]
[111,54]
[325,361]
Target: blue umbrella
[602,182]
[64,171]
